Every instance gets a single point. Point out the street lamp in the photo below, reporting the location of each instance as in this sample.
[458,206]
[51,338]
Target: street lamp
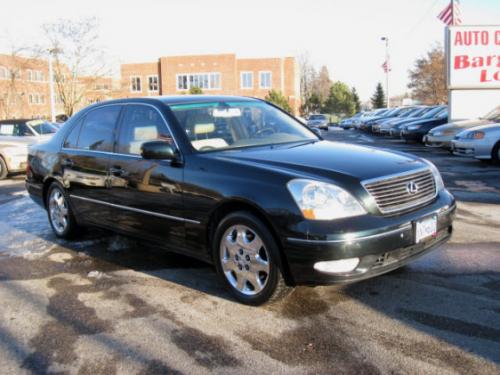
[387,67]
[52,52]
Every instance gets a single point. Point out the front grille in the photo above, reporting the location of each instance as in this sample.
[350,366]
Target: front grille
[397,193]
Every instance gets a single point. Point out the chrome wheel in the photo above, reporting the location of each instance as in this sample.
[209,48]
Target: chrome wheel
[245,260]
[58,211]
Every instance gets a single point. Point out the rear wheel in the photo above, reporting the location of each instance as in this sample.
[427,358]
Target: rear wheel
[61,216]
[246,258]
[495,154]
[3,169]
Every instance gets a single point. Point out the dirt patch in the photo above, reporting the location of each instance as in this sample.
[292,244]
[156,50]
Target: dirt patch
[303,302]
[207,350]
[98,368]
[156,367]
[55,341]
[320,344]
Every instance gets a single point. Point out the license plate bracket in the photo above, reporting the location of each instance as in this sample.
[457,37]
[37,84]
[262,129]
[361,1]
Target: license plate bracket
[425,228]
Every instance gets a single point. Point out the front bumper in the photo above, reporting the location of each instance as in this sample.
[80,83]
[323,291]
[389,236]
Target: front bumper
[382,244]
[16,163]
[463,148]
[438,141]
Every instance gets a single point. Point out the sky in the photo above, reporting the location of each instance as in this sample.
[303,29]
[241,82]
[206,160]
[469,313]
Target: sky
[343,35]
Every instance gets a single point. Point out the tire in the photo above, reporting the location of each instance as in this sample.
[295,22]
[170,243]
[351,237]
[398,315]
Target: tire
[3,169]
[495,154]
[236,247]
[60,213]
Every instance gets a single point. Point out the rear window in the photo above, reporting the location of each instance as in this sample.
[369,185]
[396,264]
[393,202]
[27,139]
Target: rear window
[317,117]
[97,129]
[42,127]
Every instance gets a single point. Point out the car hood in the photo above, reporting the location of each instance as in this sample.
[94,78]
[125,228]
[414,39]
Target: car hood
[326,159]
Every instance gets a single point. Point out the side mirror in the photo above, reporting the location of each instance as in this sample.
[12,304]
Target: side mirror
[158,150]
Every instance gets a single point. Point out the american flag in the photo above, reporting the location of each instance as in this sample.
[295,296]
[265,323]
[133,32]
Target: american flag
[451,14]
[386,66]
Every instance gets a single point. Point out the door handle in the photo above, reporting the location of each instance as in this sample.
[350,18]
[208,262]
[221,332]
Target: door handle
[117,171]
[67,163]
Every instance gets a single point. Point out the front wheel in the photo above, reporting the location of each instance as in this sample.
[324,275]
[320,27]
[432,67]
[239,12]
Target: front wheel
[246,257]
[61,216]
[3,169]
[495,154]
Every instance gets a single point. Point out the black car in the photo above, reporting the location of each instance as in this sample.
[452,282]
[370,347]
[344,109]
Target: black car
[415,131]
[243,185]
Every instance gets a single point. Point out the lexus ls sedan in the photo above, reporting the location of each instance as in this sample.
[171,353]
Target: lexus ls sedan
[240,184]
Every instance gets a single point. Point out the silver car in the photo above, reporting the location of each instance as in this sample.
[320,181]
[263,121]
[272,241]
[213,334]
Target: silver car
[481,142]
[318,121]
[442,136]
[15,137]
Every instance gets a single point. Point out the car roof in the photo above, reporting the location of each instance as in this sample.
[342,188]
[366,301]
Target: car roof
[15,121]
[181,99]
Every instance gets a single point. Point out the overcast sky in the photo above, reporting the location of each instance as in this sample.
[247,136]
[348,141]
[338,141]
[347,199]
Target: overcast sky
[344,35]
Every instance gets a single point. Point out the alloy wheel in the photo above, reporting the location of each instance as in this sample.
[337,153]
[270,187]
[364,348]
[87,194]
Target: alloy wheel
[245,260]
[58,211]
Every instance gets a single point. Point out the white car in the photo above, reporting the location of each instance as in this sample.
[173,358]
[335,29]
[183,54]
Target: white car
[481,142]
[15,138]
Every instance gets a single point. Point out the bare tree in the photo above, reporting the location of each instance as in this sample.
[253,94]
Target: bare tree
[79,60]
[428,78]
[322,84]
[307,75]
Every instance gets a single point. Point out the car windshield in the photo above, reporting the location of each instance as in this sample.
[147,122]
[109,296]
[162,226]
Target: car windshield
[42,127]
[421,111]
[317,117]
[493,115]
[234,124]
[434,112]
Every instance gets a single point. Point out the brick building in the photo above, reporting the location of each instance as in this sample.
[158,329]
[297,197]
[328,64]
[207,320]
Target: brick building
[223,74]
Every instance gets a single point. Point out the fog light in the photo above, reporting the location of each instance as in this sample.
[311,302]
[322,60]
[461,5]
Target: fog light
[337,266]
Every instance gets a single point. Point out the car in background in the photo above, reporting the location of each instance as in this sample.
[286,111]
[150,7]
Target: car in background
[349,122]
[368,116]
[395,130]
[15,137]
[418,113]
[392,113]
[416,131]
[401,116]
[443,135]
[318,121]
[481,142]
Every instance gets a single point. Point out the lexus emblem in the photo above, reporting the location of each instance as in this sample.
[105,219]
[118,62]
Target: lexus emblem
[412,188]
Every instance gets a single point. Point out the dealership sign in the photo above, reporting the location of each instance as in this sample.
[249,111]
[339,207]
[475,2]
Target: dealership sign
[473,57]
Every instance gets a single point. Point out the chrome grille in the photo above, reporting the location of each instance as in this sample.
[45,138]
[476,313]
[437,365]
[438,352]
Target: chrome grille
[394,193]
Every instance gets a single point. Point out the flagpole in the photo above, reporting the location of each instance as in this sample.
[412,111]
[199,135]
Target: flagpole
[387,70]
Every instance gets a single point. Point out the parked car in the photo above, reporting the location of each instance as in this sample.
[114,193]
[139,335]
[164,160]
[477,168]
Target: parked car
[416,114]
[481,142]
[262,198]
[392,113]
[443,135]
[15,137]
[416,131]
[395,130]
[349,122]
[318,121]
[401,116]
[368,116]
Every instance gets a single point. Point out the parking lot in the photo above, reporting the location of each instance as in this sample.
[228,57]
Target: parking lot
[106,304]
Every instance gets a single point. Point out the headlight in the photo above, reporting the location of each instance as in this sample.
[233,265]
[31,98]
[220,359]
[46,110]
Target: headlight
[413,127]
[436,134]
[321,201]
[437,175]
[475,135]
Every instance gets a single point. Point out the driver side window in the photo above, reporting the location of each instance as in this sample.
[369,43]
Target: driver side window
[141,124]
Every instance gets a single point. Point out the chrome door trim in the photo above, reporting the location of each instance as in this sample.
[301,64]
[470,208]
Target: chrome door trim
[157,214]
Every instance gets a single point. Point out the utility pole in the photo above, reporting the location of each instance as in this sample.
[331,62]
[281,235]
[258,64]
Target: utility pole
[51,85]
[387,68]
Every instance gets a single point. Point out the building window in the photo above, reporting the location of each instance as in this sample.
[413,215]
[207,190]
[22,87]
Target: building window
[29,75]
[265,80]
[153,83]
[246,80]
[135,84]
[205,81]
[34,75]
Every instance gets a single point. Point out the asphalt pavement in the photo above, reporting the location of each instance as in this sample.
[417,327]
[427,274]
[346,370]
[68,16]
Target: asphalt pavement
[105,304]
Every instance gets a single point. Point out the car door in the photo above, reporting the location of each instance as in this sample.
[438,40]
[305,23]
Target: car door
[84,160]
[147,194]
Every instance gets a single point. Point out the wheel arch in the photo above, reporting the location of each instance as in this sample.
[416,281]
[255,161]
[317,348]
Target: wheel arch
[234,205]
